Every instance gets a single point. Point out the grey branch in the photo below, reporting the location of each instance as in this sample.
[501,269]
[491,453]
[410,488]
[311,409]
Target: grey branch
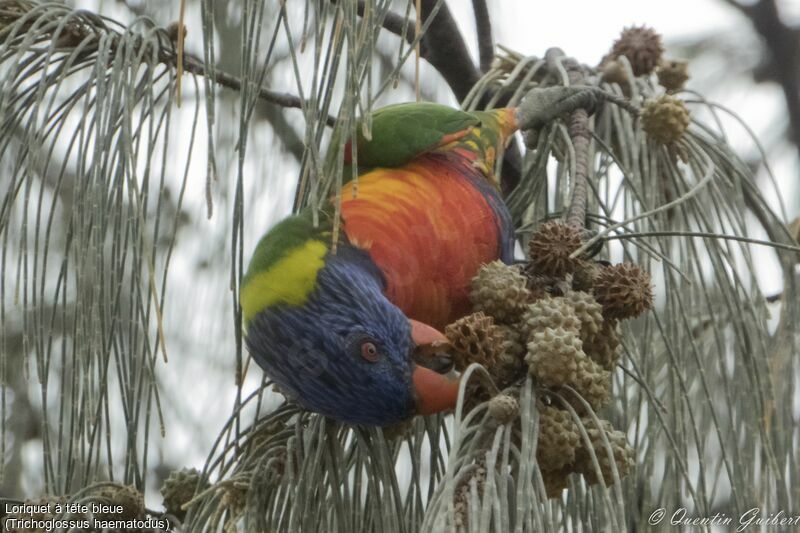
[442,45]
[195,66]
[580,132]
[784,48]
[543,105]
[483,27]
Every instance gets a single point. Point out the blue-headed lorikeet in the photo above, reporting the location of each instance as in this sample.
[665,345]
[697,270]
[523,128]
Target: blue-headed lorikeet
[336,330]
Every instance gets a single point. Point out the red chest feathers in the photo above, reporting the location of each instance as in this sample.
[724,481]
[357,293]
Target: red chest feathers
[428,228]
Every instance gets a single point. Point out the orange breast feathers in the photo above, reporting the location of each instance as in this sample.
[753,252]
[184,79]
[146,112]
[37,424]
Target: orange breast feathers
[428,228]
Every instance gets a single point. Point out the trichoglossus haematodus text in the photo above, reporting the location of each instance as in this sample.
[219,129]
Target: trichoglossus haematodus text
[335,329]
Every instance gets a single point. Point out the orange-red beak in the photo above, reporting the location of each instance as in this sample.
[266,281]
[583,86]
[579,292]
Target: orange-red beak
[434,392]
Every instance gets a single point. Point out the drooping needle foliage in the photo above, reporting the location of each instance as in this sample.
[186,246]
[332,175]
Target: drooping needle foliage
[88,220]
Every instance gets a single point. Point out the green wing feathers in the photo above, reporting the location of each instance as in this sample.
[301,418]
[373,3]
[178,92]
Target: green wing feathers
[403,131]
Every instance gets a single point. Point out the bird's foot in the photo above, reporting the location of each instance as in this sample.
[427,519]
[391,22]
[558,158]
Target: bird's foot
[543,105]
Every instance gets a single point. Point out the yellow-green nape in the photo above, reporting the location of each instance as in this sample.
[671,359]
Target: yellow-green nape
[288,280]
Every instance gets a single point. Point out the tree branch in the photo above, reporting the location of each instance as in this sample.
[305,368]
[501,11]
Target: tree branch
[442,45]
[580,133]
[483,27]
[196,66]
[444,48]
[393,23]
[784,47]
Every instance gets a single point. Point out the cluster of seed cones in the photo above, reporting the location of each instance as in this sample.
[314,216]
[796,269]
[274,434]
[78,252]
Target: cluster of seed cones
[666,118]
[556,319]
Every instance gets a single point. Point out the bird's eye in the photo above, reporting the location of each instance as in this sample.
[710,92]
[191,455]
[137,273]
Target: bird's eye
[369,352]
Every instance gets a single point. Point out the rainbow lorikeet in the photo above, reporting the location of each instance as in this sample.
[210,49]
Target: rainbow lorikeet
[336,329]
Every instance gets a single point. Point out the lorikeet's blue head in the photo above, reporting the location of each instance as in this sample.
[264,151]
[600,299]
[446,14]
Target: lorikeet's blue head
[345,350]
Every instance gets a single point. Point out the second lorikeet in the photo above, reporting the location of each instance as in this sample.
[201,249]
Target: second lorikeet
[336,330]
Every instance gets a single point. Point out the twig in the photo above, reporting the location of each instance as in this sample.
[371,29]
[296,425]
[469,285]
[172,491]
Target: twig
[195,66]
[483,27]
[580,133]
[392,22]
[180,45]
